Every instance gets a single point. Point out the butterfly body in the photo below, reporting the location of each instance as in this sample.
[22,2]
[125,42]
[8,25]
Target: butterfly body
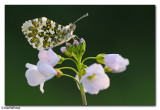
[43,33]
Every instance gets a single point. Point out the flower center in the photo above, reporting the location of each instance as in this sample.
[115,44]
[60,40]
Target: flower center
[92,77]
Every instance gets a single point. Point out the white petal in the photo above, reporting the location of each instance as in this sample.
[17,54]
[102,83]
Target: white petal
[122,66]
[85,76]
[54,57]
[48,57]
[43,56]
[102,82]
[28,65]
[46,69]
[95,68]
[120,70]
[41,87]
[34,77]
[112,61]
[124,62]
[116,62]
[99,83]
[90,86]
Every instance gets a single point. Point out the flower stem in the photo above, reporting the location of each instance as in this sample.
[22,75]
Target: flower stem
[72,78]
[69,68]
[83,95]
[71,60]
[88,58]
[81,86]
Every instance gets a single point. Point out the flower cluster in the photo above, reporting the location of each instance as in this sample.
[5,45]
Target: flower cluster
[90,79]
[75,50]
[43,71]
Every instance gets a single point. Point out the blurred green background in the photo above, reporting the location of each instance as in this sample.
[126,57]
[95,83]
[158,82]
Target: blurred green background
[126,30]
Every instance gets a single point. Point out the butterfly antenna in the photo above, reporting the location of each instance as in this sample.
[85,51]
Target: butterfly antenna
[81,17]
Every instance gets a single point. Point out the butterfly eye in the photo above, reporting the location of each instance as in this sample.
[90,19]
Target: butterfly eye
[72,27]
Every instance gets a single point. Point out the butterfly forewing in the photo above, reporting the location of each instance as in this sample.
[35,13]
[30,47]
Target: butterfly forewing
[43,33]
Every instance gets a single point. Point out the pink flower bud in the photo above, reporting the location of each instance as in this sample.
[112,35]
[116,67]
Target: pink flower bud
[81,40]
[76,42]
[68,44]
[63,49]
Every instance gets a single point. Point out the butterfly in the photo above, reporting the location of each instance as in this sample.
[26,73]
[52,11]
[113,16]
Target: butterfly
[43,33]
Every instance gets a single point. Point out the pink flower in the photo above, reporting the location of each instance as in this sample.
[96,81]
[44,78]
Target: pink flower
[95,79]
[48,57]
[37,77]
[43,71]
[81,40]
[63,49]
[116,62]
[76,42]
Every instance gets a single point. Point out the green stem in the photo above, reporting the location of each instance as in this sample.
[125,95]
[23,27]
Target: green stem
[81,86]
[72,78]
[71,60]
[69,68]
[88,58]
[83,94]
[74,56]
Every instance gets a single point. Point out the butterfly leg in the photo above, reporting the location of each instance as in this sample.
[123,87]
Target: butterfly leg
[66,41]
[77,37]
[74,37]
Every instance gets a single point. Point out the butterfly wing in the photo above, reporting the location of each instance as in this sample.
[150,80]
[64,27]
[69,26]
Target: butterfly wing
[43,33]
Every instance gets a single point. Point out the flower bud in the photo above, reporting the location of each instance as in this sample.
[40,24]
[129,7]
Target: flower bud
[66,52]
[100,58]
[59,73]
[68,44]
[82,40]
[63,49]
[69,47]
[76,43]
[82,45]
[61,59]
[76,48]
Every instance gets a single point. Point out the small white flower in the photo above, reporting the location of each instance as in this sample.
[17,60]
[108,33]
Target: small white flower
[48,57]
[116,62]
[37,76]
[43,71]
[95,79]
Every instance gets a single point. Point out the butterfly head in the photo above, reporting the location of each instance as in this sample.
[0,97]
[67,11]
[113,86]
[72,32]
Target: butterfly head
[72,27]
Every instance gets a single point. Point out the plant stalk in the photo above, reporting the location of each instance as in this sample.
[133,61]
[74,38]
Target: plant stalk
[81,86]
